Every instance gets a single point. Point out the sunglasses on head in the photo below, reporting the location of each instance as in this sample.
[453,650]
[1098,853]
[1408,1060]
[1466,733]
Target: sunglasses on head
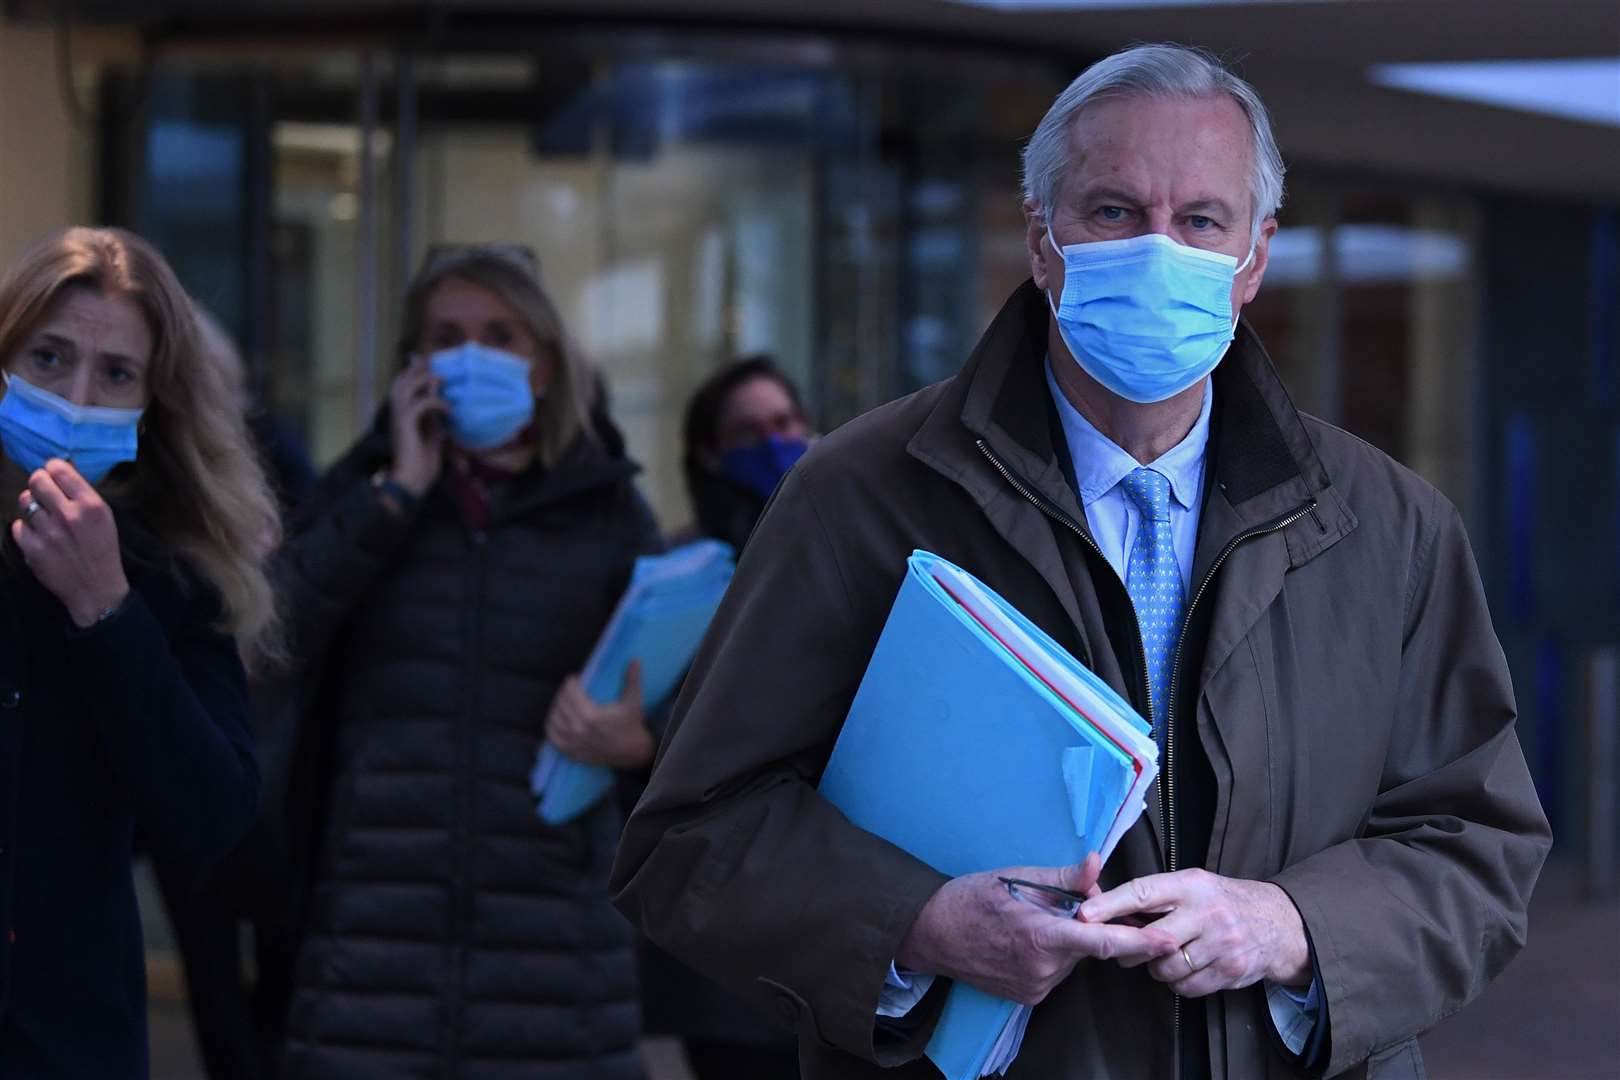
[519,255]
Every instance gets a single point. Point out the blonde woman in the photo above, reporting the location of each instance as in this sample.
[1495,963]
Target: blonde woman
[449,578]
[130,579]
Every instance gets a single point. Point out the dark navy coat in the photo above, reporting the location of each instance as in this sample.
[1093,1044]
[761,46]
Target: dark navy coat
[138,722]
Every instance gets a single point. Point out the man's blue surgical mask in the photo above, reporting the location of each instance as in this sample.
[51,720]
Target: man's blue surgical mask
[760,467]
[489,394]
[1146,317]
[36,425]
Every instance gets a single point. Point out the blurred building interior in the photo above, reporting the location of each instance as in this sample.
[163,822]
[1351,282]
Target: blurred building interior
[836,183]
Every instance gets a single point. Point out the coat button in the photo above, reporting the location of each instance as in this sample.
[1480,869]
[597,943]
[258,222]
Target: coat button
[10,699]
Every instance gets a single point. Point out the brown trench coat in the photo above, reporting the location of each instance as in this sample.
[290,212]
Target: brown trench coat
[1352,699]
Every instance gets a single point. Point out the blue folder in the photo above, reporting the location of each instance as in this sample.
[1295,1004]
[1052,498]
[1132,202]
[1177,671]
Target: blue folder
[660,621]
[959,751]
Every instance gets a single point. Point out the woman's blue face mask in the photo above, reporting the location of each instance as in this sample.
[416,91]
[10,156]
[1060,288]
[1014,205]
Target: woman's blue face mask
[37,425]
[1146,317]
[491,400]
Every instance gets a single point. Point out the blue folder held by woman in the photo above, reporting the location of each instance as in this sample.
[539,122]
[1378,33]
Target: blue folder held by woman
[660,620]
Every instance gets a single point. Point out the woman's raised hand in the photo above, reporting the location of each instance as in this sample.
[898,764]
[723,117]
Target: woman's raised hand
[417,419]
[68,536]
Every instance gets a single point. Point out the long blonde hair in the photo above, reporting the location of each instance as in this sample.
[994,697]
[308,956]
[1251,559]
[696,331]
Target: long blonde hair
[563,414]
[196,481]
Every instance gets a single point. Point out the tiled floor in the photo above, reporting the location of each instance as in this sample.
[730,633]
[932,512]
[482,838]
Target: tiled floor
[1555,1013]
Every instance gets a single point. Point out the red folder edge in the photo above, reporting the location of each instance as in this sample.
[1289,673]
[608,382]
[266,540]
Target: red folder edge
[1136,763]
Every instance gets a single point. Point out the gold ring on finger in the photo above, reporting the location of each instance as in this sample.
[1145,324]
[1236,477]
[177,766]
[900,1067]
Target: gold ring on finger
[1184,956]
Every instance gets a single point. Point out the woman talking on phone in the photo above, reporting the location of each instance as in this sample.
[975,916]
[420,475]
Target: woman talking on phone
[448,579]
[130,580]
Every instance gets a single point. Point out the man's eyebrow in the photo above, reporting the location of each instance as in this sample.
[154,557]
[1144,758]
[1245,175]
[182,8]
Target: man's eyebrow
[1110,194]
[1220,207]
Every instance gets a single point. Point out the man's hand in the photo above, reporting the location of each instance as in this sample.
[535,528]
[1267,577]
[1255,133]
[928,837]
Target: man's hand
[70,541]
[974,930]
[1227,933]
[614,734]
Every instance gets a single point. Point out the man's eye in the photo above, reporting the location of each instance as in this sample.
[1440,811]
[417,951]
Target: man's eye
[1112,213]
[1199,221]
[46,358]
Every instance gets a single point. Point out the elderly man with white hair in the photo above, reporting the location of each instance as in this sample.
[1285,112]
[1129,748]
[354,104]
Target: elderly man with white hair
[1344,836]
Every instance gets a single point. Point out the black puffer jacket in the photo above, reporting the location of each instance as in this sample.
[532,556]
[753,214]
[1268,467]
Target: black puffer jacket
[449,933]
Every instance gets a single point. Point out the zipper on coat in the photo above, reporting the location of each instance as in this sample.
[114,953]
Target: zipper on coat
[1167,788]
[1167,773]
[1057,515]
[478,541]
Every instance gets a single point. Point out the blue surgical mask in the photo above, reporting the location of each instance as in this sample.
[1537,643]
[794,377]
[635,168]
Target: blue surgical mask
[1146,317]
[760,467]
[36,425]
[489,394]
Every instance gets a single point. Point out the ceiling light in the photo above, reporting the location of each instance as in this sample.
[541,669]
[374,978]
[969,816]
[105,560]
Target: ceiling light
[1365,254]
[1584,88]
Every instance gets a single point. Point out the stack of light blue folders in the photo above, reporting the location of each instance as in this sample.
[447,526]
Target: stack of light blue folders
[660,621]
[976,742]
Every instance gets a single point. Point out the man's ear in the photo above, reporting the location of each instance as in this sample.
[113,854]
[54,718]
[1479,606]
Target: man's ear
[1262,258]
[1035,242]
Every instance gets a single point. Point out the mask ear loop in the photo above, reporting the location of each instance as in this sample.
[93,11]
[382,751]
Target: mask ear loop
[1242,266]
[1050,239]
[1058,250]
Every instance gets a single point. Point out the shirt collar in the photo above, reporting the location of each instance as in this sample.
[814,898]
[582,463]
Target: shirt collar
[1100,463]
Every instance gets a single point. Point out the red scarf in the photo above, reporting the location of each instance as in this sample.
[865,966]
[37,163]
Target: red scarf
[472,485]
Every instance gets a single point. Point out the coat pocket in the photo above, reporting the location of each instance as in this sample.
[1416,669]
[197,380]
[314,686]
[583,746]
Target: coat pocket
[1402,1061]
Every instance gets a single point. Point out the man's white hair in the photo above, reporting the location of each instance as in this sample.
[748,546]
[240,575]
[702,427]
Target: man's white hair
[1152,71]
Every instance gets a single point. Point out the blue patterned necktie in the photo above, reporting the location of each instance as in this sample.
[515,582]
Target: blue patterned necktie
[1153,579]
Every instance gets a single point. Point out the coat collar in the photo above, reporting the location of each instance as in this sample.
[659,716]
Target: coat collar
[1101,464]
[589,465]
[1265,465]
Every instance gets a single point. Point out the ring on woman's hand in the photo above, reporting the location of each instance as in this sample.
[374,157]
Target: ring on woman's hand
[1184,956]
[30,510]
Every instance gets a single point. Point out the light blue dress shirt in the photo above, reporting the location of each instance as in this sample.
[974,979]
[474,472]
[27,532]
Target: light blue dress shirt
[1099,466]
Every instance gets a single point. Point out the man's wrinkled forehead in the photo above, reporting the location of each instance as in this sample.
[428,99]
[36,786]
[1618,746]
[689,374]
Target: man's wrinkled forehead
[1196,154]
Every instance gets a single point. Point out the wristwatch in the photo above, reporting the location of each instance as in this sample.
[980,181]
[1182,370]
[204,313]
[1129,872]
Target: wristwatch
[388,488]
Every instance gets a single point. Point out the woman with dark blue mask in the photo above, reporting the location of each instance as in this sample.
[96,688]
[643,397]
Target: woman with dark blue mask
[447,581]
[745,427]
